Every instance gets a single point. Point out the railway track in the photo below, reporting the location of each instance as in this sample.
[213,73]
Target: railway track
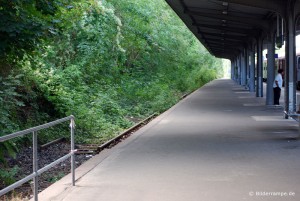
[93,149]
[55,149]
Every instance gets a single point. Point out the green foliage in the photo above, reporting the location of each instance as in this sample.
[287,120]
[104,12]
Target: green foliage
[9,105]
[55,178]
[102,61]
[21,23]
[7,175]
[9,101]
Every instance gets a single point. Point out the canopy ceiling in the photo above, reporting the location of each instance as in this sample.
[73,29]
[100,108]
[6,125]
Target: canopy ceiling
[226,27]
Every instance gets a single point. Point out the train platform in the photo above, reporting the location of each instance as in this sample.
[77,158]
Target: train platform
[220,143]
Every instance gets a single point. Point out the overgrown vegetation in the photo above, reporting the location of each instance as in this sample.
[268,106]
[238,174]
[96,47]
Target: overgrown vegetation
[102,61]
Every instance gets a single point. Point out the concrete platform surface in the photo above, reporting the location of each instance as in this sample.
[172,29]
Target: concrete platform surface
[221,143]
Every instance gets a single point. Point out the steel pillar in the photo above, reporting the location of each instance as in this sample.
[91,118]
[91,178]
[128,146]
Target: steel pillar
[239,70]
[252,71]
[259,81]
[236,73]
[290,55]
[232,69]
[241,67]
[246,63]
[270,70]
[243,70]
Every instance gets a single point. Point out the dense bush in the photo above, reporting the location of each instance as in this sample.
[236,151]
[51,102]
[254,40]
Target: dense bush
[102,61]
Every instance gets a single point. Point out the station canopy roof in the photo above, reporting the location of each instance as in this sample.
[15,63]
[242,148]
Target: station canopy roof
[225,28]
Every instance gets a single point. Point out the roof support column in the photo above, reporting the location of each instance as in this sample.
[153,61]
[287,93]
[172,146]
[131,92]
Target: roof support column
[246,63]
[243,70]
[259,81]
[239,70]
[252,71]
[236,73]
[234,70]
[270,70]
[290,52]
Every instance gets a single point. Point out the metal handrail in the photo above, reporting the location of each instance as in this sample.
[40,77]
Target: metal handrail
[36,172]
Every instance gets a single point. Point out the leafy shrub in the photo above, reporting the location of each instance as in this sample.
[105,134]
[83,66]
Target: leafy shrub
[7,175]
[103,61]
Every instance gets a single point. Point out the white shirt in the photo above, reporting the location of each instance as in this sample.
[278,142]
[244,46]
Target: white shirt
[278,78]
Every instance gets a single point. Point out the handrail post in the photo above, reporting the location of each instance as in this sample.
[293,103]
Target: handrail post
[35,165]
[72,126]
[35,171]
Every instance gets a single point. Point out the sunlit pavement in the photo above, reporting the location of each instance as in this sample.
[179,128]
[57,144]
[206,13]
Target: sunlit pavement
[221,143]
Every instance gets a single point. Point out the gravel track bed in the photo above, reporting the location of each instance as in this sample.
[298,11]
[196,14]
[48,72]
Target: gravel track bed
[45,157]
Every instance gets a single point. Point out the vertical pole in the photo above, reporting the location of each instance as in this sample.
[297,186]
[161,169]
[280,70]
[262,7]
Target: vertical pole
[244,71]
[270,70]
[259,89]
[35,165]
[232,69]
[246,59]
[252,71]
[241,68]
[290,52]
[72,126]
[235,71]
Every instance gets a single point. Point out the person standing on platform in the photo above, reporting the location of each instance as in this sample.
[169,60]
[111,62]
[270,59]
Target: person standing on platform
[277,85]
